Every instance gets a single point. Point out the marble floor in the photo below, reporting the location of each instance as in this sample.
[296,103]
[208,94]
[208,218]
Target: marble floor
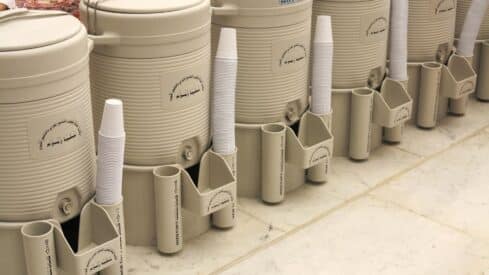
[421,207]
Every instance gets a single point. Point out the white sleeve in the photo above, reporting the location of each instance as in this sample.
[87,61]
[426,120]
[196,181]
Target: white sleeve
[9,3]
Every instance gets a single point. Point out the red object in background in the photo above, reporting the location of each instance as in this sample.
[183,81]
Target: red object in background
[70,6]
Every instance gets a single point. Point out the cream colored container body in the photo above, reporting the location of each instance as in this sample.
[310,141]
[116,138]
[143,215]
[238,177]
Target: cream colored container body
[360,33]
[155,57]
[47,155]
[431,30]
[273,57]
[462,9]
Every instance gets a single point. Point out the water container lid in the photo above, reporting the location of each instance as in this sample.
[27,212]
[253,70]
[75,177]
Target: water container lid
[141,6]
[35,29]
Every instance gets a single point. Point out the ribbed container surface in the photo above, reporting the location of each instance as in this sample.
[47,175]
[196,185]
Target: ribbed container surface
[360,33]
[431,30]
[462,8]
[166,101]
[265,85]
[30,179]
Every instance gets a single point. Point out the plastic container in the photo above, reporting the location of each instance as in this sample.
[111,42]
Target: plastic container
[154,56]
[273,57]
[462,8]
[431,30]
[360,33]
[47,153]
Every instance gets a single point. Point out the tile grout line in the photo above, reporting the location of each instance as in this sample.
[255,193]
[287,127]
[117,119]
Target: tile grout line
[260,220]
[382,183]
[412,211]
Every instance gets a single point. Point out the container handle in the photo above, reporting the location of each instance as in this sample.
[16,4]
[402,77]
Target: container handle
[225,10]
[105,39]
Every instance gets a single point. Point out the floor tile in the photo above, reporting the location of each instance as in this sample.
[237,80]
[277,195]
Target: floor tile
[347,180]
[205,253]
[452,188]
[299,207]
[370,237]
[350,178]
[449,131]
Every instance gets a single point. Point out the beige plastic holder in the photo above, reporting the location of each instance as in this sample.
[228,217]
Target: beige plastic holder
[429,93]
[273,163]
[483,82]
[432,85]
[268,169]
[319,173]
[168,199]
[40,247]
[164,207]
[116,214]
[393,105]
[362,104]
[458,81]
[394,134]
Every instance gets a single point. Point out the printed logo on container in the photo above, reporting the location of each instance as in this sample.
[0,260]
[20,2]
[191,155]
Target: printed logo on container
[100,260]
[182,89]
[443,7]
[288,2]
[375,26]
[56,134]
[290,55]
[321,153]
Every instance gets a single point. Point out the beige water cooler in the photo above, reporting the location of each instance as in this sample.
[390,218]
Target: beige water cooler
[480,60]
[274,44]
[47,149]
[368,107]
[439,80]
[155,56]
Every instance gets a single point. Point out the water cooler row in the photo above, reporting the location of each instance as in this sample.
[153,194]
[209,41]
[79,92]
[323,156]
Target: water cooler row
[194,103]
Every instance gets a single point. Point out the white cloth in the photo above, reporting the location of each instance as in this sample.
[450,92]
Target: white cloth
[9,3]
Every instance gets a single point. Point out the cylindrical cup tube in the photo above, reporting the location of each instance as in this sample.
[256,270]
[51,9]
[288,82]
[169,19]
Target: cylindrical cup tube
[226,218]
[459,106]
[483,82]
[39,248]
[361,123]
[273,163]
[394,134]
[429,93]
[168,203]
[116,214]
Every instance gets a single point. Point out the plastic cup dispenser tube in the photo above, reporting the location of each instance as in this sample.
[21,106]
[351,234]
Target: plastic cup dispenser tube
[110,161]
[168,200]
[466,43]
[322,74]
[398,55]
